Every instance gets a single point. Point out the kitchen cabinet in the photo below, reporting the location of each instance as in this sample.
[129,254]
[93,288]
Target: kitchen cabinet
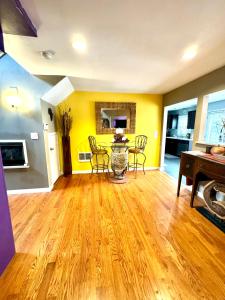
[171,145]
[172,121]
[191,119]
[175,146]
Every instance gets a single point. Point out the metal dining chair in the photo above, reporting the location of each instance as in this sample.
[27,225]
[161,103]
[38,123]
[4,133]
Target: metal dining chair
[99,153]
[137,151]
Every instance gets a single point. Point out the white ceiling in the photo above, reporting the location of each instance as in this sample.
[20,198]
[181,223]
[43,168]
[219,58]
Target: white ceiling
[133,46]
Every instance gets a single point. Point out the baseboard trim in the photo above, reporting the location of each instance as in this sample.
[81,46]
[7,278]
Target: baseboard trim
[30,191]
[101,171]
[147,169]
[83,171]
[162,167]
[49,189]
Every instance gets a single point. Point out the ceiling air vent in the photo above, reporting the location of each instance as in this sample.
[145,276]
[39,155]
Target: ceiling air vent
[84,156]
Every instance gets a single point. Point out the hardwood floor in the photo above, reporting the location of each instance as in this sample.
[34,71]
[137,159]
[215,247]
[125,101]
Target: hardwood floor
[92,239]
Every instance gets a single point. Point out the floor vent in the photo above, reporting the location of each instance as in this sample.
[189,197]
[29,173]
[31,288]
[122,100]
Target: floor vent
[84,156]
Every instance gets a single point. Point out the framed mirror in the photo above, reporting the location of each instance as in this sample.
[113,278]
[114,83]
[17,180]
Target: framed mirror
[111,115]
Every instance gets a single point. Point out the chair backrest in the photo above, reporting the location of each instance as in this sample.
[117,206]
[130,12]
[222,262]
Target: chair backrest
[92,143]
[140,142]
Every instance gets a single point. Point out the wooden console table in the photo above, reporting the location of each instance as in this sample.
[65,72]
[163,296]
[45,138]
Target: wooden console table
[199,166]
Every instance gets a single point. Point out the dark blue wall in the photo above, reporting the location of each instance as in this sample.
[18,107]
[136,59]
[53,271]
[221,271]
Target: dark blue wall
[19,123]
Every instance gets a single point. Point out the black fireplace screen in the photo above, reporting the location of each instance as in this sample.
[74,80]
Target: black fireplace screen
[12,153]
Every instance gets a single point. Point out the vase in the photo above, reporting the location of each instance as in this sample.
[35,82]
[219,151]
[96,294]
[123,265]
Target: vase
[67,165]
[119,161]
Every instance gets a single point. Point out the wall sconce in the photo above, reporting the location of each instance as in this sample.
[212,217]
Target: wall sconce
[13,98]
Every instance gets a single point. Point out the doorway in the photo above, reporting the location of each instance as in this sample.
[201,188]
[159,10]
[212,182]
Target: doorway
[177,136]
[52,156]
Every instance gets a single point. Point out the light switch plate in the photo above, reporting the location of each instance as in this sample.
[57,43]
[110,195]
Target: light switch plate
[34,135]
[156,134]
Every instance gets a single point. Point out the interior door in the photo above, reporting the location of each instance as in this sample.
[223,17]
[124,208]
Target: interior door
[53,156]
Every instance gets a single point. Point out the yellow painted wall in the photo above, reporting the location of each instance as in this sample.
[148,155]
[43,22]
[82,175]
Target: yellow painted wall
[148,122]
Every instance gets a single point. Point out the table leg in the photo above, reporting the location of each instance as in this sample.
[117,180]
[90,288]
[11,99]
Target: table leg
[194,189]
[179,183]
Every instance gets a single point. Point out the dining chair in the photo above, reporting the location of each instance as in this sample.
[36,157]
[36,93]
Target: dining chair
[100,158]
[137,151]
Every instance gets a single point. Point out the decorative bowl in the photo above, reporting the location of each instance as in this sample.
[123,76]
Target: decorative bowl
[217,150]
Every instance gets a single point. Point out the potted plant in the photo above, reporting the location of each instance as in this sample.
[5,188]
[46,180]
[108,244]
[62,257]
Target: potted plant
[222,131]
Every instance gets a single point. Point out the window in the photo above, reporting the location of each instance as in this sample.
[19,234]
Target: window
[182,125]
[215,120]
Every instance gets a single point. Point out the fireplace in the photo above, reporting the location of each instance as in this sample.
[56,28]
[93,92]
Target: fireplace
[14,154]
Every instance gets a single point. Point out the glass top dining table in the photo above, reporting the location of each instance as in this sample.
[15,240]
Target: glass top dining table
[117,146]
[119,160]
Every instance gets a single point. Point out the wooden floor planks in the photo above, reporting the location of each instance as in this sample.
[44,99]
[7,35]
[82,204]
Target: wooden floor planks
[92,239]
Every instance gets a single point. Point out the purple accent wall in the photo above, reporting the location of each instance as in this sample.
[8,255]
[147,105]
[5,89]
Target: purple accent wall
[7,246]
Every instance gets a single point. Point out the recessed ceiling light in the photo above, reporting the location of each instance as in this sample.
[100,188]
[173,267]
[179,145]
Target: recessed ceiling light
[190,52]
[80,44]
[48,54]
